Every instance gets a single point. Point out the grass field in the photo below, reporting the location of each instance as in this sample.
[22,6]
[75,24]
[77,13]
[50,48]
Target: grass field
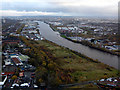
[90,86]
[81,68]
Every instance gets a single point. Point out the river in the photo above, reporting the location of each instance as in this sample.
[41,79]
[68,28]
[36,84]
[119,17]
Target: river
[49,34]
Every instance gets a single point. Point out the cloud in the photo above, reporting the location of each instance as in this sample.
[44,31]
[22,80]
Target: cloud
[65,7]
[30,13]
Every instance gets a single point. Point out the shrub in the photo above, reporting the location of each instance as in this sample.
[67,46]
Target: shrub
[14,77]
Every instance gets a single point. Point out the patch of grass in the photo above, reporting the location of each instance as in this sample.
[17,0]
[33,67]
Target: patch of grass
[80,67]
[90,86]
[61,53]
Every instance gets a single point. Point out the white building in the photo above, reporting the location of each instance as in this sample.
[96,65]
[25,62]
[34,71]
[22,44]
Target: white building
[32,31]
[2,82]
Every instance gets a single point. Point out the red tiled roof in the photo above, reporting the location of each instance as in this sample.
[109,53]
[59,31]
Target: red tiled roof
[7,73]
[16,60]
[21,74]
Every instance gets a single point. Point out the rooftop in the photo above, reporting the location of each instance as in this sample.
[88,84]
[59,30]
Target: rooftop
[16,60]
[23,57]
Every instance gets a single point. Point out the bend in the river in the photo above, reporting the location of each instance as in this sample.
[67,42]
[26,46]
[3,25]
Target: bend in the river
[49,34]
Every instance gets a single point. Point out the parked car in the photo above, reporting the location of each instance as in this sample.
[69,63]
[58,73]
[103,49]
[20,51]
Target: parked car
[35,86]
[15,85]
[24,85]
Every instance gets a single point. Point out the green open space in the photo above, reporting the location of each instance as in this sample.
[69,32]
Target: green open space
[81,68]
[64,66]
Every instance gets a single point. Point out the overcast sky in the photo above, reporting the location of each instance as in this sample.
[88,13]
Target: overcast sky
[59,7]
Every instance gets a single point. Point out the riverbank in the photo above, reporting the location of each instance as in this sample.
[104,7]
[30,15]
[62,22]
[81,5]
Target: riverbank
[79,66]
[68,66]
[86,43]
[109,59]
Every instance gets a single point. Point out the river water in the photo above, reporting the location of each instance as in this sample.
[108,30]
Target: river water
[49,34]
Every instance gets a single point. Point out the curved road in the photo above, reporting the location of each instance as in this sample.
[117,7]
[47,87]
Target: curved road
[49,34]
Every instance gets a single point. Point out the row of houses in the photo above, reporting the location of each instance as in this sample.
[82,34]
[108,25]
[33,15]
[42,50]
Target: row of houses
[31,31]
[17,59]
[10,40]
[102,43]
[12,60]
[72,29]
